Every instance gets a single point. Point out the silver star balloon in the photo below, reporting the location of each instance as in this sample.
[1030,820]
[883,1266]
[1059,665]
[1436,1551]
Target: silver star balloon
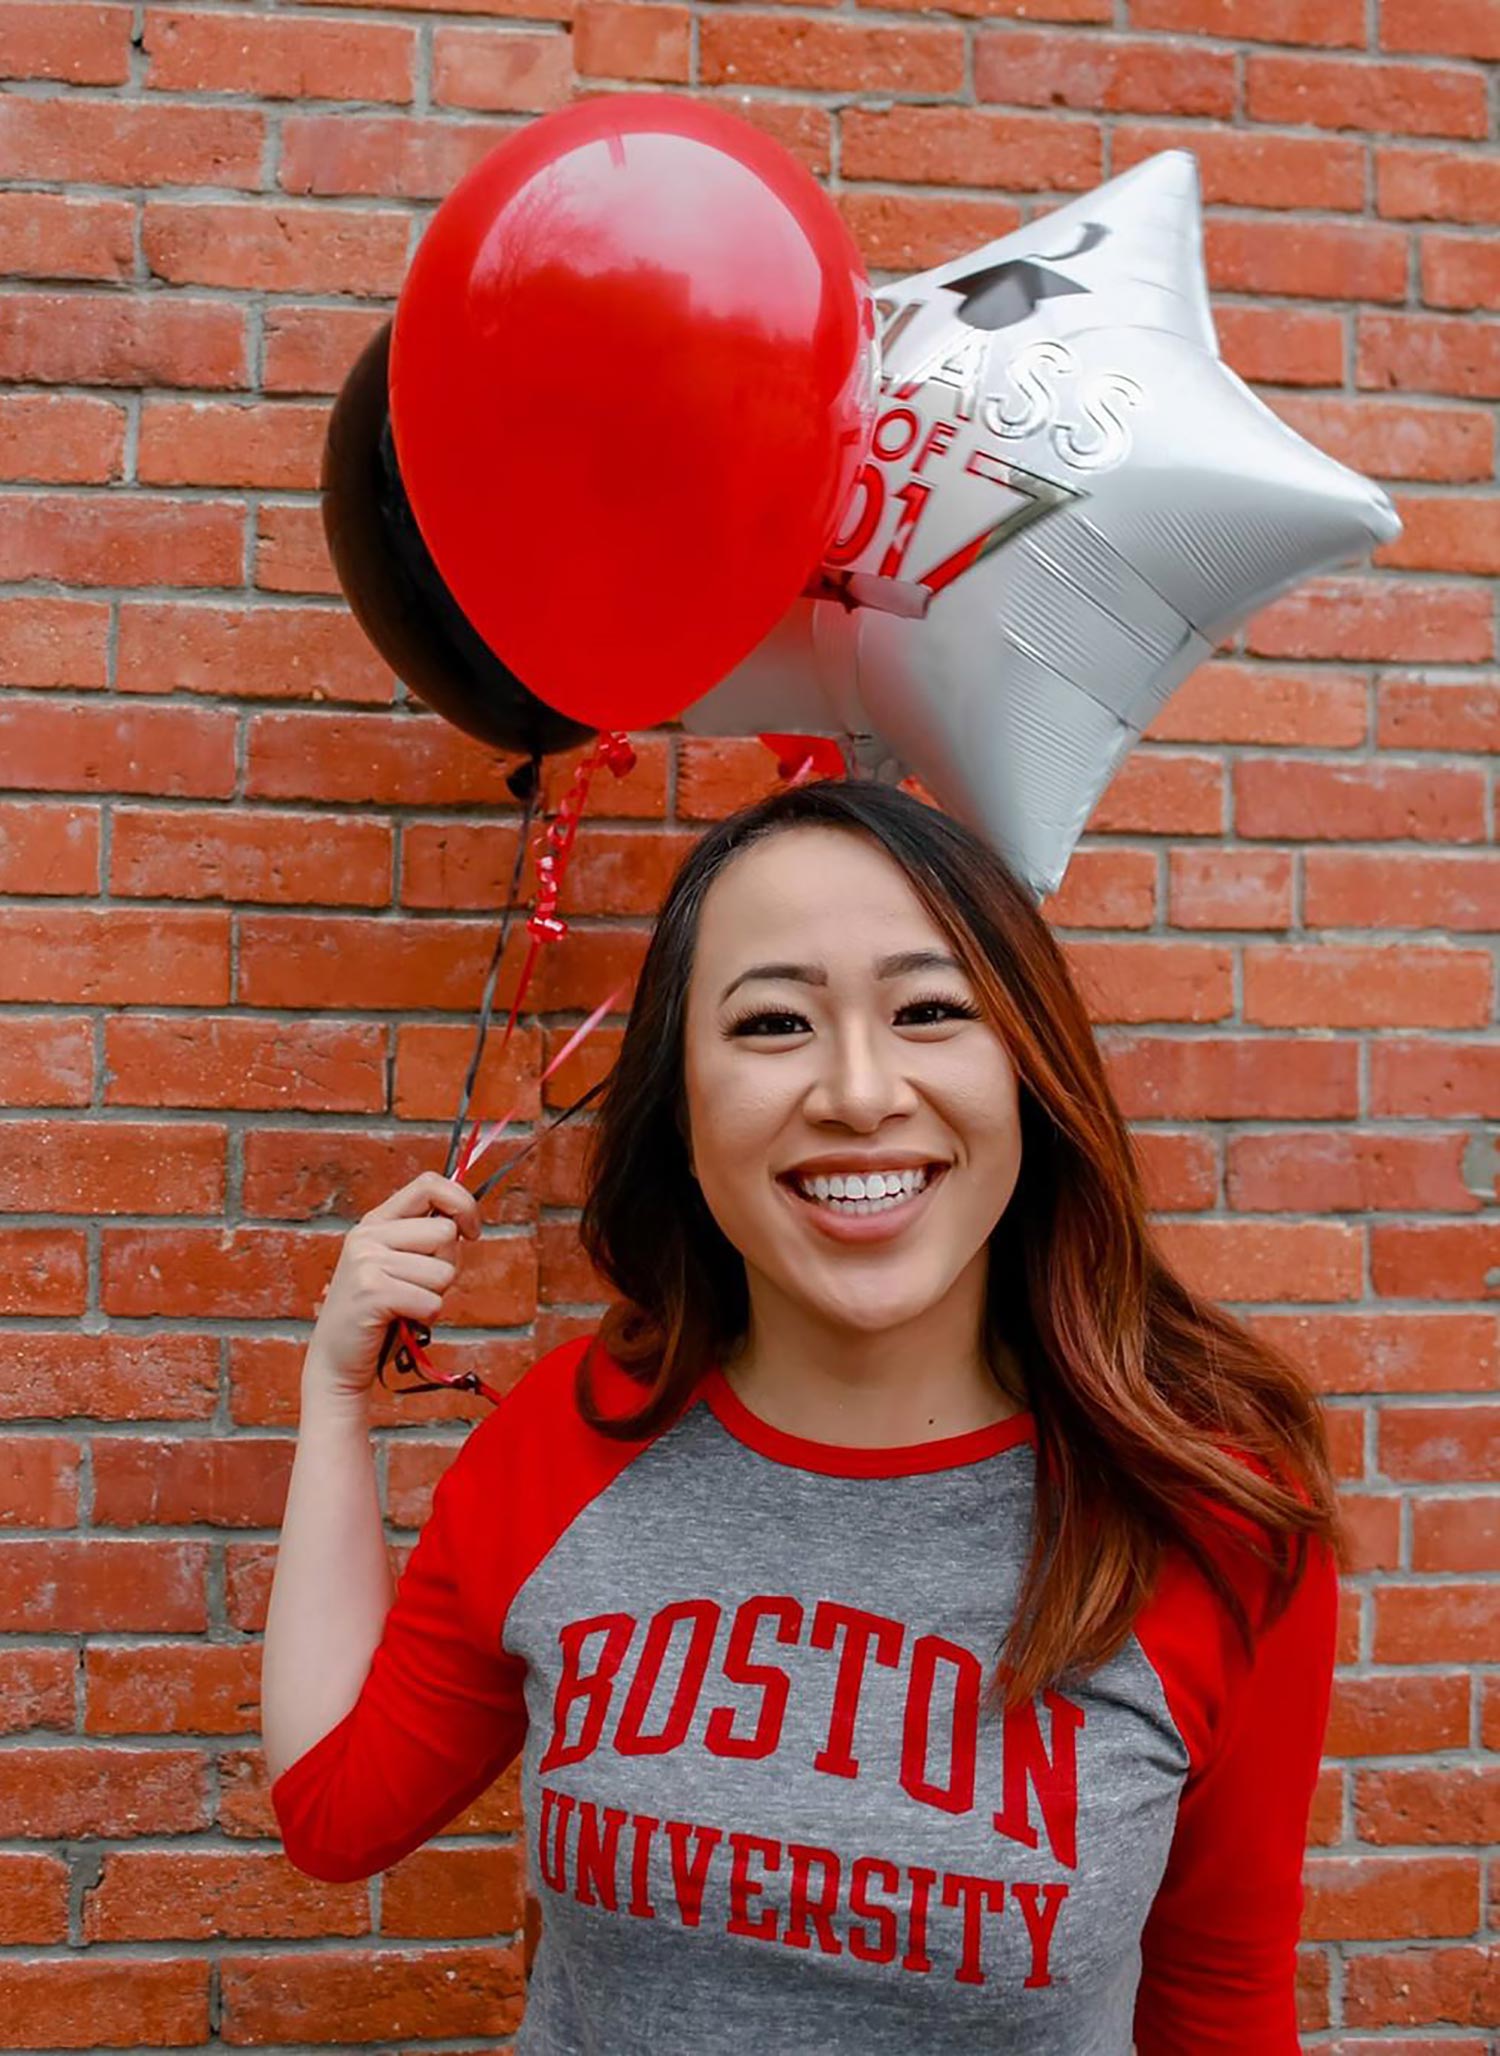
[1069,501]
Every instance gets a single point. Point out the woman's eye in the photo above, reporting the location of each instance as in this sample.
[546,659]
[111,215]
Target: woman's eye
[939,1009]
[768,1024]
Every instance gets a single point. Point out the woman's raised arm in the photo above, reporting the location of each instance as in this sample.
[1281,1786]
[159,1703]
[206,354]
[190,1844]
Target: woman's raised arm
[333,1587]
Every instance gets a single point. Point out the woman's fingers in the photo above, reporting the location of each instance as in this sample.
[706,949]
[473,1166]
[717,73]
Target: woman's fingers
[397,1262]
[429,1236]
[430,1193]
[414,1303]
[431,1271]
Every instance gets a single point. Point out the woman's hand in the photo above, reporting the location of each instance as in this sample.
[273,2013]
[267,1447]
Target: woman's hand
[397,1261]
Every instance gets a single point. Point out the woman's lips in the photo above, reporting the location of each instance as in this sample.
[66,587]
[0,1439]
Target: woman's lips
[883,1226]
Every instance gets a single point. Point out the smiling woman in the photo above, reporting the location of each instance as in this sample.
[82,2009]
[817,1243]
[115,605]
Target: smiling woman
[867,1058]
[915,1605]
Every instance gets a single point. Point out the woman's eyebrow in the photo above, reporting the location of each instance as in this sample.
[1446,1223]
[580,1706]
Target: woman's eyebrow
[814,974]
[796,974]
[916,960]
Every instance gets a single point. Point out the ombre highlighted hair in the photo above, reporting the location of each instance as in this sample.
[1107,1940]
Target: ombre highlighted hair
[1160,1418]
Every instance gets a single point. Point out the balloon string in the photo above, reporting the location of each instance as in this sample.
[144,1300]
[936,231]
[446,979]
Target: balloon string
[544,924]
[498,1176]
[484,1133]
[497,957]
[402,1346]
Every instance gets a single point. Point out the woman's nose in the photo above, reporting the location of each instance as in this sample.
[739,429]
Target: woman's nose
[861,1079]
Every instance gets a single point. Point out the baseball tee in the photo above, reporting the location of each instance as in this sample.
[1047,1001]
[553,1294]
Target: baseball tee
[764,1807]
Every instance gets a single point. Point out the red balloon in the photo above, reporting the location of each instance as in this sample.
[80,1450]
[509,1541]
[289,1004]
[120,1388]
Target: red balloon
[632,380]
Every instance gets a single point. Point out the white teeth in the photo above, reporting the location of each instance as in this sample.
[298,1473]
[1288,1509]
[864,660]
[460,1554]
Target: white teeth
[870,1192]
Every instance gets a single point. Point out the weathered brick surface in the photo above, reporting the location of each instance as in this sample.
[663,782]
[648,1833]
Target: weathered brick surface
[246,892]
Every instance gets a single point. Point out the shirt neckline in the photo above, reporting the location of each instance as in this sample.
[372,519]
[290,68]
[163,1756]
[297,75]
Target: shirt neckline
[843,1460]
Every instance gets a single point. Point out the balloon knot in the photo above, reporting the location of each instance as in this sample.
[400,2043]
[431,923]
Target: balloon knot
[522,781]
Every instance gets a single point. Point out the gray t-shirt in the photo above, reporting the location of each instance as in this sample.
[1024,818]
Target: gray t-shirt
[763,1803]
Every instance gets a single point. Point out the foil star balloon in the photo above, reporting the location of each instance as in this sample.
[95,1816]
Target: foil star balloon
[1070,500]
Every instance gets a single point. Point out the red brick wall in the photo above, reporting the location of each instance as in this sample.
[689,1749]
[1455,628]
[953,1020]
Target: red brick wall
[244,897]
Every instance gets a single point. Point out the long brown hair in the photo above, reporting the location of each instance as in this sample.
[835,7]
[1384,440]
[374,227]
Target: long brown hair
[1150,1404]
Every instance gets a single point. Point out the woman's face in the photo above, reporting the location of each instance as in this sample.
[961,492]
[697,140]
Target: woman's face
[834,1049]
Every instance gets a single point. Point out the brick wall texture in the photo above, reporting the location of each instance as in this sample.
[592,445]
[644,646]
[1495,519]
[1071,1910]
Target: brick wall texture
[247,887]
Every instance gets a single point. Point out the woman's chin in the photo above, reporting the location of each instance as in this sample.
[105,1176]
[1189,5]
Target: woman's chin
[861,1312]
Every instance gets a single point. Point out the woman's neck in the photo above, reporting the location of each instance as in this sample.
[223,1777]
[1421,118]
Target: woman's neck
[871,1389]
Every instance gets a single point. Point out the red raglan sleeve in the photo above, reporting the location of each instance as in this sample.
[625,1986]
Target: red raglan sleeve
[441,1711]
[1219,1949]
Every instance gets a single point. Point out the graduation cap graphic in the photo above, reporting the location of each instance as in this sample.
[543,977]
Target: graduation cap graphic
[1002,294]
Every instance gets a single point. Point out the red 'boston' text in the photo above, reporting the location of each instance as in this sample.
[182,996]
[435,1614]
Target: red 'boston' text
[610,1675]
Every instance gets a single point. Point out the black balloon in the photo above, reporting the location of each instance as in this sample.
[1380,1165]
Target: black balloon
[396,591]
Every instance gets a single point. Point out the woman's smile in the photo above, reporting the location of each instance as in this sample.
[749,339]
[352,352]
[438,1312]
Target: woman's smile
[873,1205]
